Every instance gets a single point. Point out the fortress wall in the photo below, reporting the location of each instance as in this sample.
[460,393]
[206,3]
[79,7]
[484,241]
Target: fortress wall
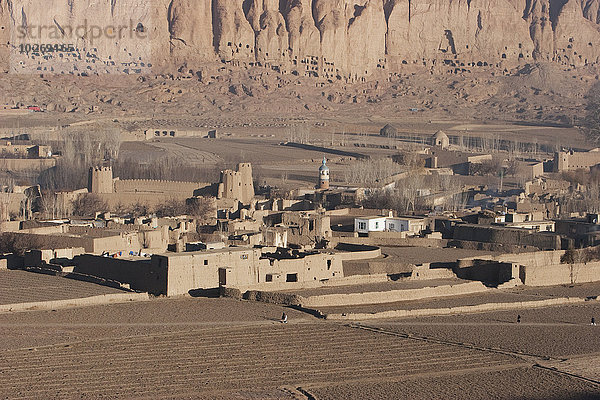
[157,186]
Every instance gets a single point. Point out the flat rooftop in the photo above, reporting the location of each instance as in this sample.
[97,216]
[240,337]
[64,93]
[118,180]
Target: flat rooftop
[422,255]
[205,252]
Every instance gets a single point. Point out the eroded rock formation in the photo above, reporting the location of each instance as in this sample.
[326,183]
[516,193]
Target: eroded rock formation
[348,39]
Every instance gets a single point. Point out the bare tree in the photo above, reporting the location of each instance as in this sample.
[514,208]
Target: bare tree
[19,244]
[171,208]
[200,207]
[372,171]
[591,123]
[88,205]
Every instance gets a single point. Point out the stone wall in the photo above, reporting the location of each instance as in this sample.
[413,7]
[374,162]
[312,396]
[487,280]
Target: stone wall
[140,275]
[560,274]
[507,236]
[392,296]
[354,268]
[391,239]
[26,164]
[480,308]
[490,272]
[571,161]
[36,258]
[114,298]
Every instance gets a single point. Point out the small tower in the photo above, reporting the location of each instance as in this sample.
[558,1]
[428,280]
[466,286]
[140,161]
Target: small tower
[100,180]
[324,175]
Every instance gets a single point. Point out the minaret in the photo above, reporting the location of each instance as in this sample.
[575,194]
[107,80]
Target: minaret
[324,175]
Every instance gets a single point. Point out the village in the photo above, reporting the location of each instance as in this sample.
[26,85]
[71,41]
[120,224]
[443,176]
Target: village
[452,221]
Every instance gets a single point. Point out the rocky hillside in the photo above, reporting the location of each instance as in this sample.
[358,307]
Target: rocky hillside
[349,39]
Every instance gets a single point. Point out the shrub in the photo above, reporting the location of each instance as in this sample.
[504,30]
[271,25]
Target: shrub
[88,205]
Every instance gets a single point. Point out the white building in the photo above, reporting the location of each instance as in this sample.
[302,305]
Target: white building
[369,224]
[396,225]
[390,224]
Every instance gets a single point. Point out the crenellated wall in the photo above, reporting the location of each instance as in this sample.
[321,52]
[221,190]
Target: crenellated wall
[128,186]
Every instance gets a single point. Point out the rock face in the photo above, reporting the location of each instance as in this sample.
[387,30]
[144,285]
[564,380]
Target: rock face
[189,38]
[346,39]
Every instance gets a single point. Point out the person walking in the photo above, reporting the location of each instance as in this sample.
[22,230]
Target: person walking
[593,322]
[284,318]
[519,319]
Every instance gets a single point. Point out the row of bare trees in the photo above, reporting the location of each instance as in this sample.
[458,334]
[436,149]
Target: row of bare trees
[90,204]
[167,168]
[412,194]
[591,122]
[372,171]
[79,151]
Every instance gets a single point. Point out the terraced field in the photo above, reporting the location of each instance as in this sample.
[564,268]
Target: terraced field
[24,287]
[221,348]
[243,359]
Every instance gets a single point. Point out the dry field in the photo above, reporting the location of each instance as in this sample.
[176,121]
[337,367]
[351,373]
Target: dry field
[221,348]
[547,332]
[25,287]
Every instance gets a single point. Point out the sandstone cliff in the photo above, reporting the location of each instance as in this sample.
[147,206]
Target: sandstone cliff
[330,38]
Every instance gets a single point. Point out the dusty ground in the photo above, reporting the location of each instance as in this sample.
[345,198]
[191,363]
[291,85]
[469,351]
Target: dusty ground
[544,93]
[24,287]
[521,383]
[221,348]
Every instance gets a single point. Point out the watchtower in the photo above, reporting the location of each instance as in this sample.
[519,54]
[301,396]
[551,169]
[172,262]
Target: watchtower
[100,180]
